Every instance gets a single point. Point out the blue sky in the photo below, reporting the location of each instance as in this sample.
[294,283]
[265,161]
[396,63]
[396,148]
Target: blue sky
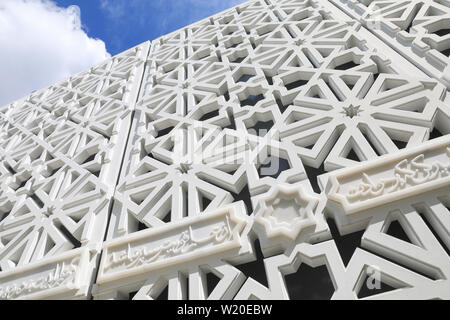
[122,24]
[46,41]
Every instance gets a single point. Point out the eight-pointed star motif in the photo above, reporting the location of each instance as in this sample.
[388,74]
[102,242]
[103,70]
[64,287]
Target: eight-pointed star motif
[286,211]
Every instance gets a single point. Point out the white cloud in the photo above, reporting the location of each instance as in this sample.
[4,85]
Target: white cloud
[40,44]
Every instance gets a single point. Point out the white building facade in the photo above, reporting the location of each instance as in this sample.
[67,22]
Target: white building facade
[281,149]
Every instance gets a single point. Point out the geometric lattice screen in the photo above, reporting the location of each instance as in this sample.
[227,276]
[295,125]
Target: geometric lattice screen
[290,149]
